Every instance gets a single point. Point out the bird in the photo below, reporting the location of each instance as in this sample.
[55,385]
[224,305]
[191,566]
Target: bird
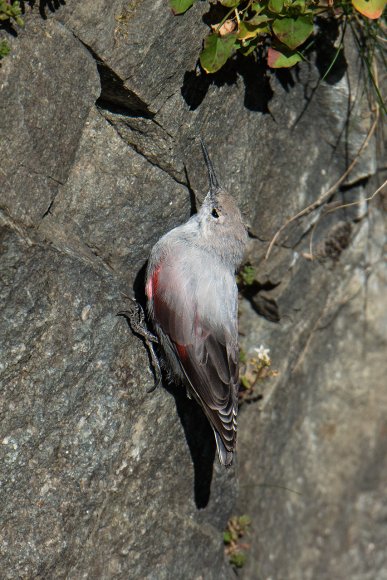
[192,302]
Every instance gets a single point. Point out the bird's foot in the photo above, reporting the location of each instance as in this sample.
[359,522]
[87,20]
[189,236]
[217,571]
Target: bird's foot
[136,318]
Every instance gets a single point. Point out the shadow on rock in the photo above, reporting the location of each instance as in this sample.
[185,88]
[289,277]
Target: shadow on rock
[201,442]
[258,91]
[139,286]
[286,77]
[51,5]
[330,59]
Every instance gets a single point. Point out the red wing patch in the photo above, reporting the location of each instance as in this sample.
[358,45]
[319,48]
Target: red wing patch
[182,350]
[151,285]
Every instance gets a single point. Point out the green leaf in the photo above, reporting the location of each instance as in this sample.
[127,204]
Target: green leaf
[217,50]
[277,59]
[245,382]
[227,538]
[293,31]
[238,559]
[242,356]
[259,19]
[180,6]
[248,274]
[298,5]
[276,6]
[10,11]
[244,521]
[257,7]
[229,3]
[4,48]
[247,30]
[246,47]
[370,8]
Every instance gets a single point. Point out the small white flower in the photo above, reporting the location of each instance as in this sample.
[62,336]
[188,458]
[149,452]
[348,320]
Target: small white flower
[263,354]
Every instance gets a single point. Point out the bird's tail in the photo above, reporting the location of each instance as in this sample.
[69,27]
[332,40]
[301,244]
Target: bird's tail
[225,456]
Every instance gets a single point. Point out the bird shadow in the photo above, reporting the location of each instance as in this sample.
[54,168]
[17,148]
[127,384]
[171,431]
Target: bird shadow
[197,430]
[200,440]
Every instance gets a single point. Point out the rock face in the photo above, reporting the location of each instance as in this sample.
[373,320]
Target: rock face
[101,110]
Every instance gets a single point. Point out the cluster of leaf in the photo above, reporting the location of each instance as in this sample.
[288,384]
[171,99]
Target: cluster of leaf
[287,24]
[247,275]
[4,48]
[9,10]
[237,527]
[253,370]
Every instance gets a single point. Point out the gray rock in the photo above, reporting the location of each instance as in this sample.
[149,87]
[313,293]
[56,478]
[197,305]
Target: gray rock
[113,202]
[45,101]
[101,111]
[329,398]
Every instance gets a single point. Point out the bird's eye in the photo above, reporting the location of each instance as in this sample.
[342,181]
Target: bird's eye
[214,213]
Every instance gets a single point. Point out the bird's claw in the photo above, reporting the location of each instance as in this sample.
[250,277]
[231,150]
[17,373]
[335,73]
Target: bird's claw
[136,318]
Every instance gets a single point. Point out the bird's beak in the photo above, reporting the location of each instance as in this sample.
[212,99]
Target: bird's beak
[214,183]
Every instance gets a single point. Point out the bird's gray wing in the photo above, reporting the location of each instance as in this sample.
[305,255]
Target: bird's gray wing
[190,311]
